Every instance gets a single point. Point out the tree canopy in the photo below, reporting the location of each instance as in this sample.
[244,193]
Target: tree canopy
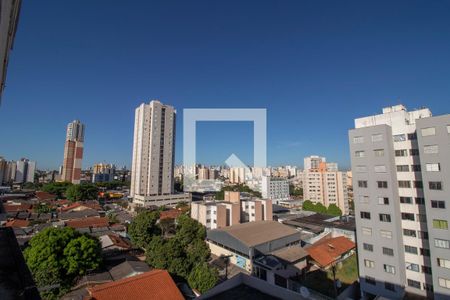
[318,207]
[236,188]
[56,256]
[56,188]
[202,277]
[143,227]
[80,192]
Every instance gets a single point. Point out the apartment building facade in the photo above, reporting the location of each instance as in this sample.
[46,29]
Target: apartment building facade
[323,183]
[73,152]
[274,188]
[391,204]
[233,210]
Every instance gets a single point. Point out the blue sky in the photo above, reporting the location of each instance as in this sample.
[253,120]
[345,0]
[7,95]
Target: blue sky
[315,66]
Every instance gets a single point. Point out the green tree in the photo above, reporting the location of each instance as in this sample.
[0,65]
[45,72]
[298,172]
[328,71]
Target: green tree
[189,230]
[197,251]
[308,205]
[334,210]
[56,188]
[80,192]
[320,208]
[143,227]
[112,217]
[203,277]
[56,256]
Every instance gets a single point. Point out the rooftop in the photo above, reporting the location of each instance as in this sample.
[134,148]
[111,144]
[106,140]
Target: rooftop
[328,251]
[88,222]
[256,233]
[156,284]
[128,268]
[291,254]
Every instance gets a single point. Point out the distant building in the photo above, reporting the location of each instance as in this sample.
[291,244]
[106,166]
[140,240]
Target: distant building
[103,172]
[325,184]
[152,171]
[233,210]
[313,162]
[73,152]
[275,189]
[237,175]
[25,170]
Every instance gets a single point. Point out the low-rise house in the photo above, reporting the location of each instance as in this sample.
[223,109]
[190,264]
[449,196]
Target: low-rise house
[170,214]
[17,223]
[73,215]
[90,222]
[128,268]
[156,284]
[327,252]
[245,242]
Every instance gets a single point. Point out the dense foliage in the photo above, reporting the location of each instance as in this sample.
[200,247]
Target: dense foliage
[203,277]
[56,256]
[237,188]
[144,227]
[80,192]
[332,209]
[295,190]
[56,188]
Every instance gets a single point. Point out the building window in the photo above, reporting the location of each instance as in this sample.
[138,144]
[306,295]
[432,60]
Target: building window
[404,184]
[359,154]
[377,137]
[428,131]
[366,231]
[383,200]
[368,247]
[361,169]
[444,282]
[416,168]
[389,286]
[388,251]
[402,168]
[412,136]
[406,200]
[443,263]
[385,218]
[425,252]
[414,152]
[370,280]
[409,232]
[363,199]
[408,216]
[402,152]
[358,140]
[386,234]
[411,249]
[440,224]
[365,215]
[445,244]
[362,183]
[399,137]
[420,201]
[437,204]
[382,184]
[433,167]
[448,128]
[379,152]
[380,169]
[426,269]
[389,269]
[413,283]
[412,267]
[431,149]
[369,263]
[435,185]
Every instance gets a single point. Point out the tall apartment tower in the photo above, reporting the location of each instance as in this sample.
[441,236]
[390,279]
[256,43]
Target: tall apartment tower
[73,152]
[400,167]
[25,170]
[153,150]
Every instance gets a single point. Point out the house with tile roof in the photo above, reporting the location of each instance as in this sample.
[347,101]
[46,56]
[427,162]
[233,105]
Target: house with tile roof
[327,252]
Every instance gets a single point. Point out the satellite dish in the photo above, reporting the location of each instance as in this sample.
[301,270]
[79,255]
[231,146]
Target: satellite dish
[304,292]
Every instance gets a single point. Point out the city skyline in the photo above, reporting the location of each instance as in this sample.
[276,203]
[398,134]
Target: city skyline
[312,81]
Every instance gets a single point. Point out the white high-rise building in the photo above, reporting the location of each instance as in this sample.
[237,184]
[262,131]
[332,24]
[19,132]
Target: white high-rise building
[399,161]
[275,189]
[25,170]
[152,170]
[313,162]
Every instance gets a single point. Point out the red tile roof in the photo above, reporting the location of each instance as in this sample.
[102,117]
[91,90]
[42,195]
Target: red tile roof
[91,205]
[170,214]
[156,284]
[16,223]
[88,222]
[119,241]
[42,196]
[328,251]
[16,208]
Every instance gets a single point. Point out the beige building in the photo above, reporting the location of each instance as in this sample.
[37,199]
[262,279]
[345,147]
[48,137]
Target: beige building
[73,152]
[326,185]
[233,210]
[237,175]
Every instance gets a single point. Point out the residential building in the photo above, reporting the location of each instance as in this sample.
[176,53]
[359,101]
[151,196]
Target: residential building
[275,189]
[323,183]
[401,231]
[9,19]
[73,152]
[245,242]
[152,171]
[237,175]
[103,172]
[433,135]
[313,162]
[25,171]
[233,210]
[3,168]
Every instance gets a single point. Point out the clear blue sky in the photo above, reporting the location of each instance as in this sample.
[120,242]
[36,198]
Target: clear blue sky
[315,66]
